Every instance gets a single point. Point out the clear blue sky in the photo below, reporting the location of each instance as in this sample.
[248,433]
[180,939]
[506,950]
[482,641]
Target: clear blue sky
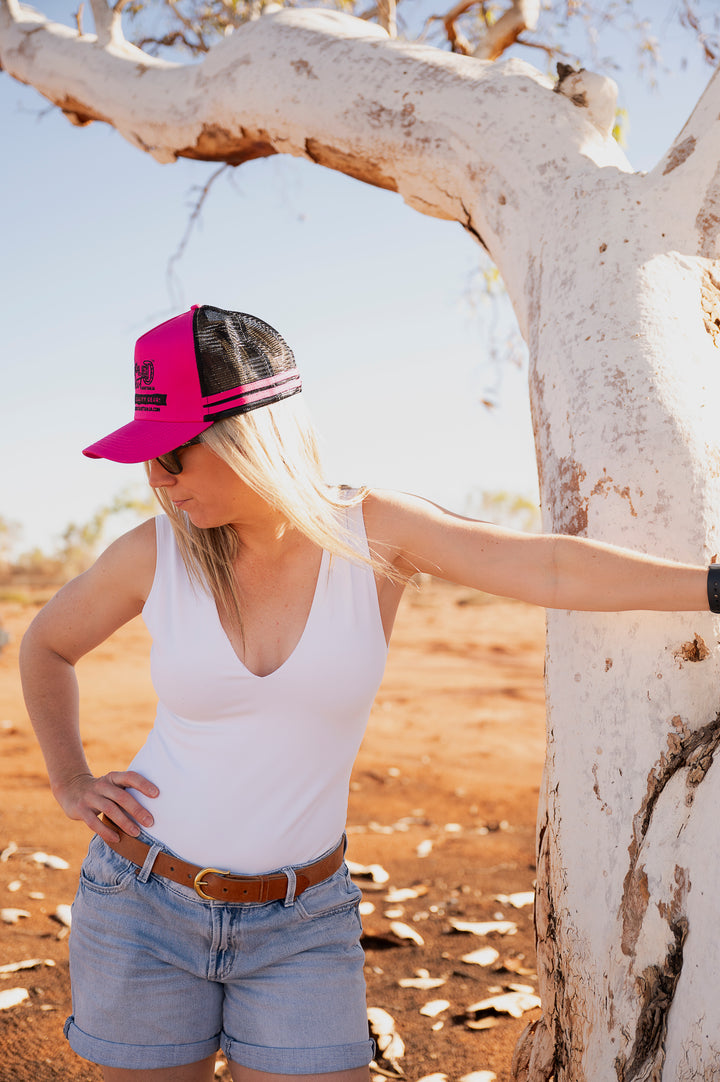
[371,295]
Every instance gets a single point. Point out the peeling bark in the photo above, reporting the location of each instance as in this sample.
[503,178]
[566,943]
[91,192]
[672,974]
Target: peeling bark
[656,989]
[693,651]
[679,154]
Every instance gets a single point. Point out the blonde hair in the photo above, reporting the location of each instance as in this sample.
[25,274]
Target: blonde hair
[274,450]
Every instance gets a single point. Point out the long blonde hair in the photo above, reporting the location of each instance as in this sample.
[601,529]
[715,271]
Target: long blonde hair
[274,450]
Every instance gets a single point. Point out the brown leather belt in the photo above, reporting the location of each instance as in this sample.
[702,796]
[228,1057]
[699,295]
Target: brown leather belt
[212,884]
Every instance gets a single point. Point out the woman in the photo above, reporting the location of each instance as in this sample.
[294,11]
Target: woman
[214,908]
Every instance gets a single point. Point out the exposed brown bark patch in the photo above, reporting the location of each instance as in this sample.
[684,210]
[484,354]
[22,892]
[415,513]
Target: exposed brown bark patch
[707,221]
[605,484]
[710,297]
[568,508]
[636,897]
[543,1047]
[361,169]
[688,749]
[301,67]
[656,989]
[216,144]
[679,154]
[696,650]
[78,112]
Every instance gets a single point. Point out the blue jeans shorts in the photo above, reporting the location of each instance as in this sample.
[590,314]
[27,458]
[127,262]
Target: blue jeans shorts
[162,978]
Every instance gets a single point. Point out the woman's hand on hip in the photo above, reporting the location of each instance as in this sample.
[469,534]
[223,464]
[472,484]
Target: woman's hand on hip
[86,797]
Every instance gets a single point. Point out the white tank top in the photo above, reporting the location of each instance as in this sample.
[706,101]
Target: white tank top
[254,772]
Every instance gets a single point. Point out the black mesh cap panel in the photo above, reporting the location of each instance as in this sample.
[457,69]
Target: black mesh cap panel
[235,349]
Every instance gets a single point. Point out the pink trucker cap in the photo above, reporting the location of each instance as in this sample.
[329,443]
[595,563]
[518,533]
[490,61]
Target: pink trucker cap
[193,370]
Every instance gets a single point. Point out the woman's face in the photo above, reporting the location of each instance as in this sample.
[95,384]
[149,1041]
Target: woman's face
[209,491]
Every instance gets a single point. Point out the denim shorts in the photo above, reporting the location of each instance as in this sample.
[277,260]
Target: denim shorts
[162,978]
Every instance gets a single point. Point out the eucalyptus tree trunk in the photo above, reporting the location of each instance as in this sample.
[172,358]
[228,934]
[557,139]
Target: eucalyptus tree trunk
[615,282]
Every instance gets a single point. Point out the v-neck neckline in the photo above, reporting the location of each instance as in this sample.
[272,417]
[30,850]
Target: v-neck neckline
[313,604]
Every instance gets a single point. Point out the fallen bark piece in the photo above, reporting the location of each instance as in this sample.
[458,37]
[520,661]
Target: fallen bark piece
[389,1042]
[8,851]
[515,965]
[404,931]
[486,927]
[49,861]
[404,894]
[11,997]
[12,916]
[63,914]
[434,1008]
[487,1022]
[423,982]
[374,876]
[517,901]
[483,957]
[513,1003]
[28,963]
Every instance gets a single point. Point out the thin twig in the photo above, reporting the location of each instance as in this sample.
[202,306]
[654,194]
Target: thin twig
[192,222]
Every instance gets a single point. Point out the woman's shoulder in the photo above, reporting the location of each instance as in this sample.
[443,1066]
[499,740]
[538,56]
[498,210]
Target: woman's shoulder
[132,557]
[386,509]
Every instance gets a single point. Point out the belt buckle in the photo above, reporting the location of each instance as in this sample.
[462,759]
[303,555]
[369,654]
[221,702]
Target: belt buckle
[198,883]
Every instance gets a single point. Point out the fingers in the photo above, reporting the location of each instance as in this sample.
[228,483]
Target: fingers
[120,805]
[109,795]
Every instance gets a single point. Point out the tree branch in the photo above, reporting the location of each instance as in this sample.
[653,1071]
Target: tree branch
[523,15]
[108,22]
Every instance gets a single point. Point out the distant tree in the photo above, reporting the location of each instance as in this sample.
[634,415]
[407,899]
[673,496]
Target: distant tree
[505,509]
[80,542]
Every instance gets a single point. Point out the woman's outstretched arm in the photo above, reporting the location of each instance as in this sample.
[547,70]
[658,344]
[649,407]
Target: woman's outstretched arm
[552,570]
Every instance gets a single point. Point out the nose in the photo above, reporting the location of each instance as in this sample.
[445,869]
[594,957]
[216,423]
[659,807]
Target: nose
[159,477]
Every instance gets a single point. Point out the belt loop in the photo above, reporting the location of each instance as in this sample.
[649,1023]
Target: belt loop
[144,874]
[291,884]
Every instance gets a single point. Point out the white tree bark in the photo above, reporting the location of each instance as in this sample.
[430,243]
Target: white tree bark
[615,280]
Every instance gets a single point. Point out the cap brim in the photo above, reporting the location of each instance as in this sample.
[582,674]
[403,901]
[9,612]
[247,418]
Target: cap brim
[141,440]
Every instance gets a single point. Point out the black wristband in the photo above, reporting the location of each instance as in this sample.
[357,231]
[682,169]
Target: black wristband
[713,587]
